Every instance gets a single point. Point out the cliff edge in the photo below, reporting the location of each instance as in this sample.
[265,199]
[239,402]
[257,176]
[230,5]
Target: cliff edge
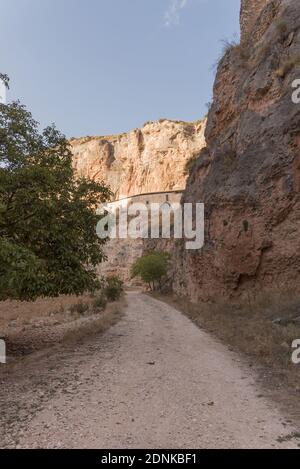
[249,174]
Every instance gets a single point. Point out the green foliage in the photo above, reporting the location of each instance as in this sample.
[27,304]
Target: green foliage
[21,271]
[113,288]
[151,267]
[48,241]
[100,301]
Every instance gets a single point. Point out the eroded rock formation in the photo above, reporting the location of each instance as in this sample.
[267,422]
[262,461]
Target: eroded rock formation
[249,174]
[150,159]
[250,12]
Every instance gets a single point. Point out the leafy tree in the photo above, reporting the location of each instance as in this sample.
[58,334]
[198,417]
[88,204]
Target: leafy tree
[151,267]
[48,240]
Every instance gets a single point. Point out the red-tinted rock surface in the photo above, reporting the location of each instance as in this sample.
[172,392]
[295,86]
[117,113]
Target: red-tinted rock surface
[249,175]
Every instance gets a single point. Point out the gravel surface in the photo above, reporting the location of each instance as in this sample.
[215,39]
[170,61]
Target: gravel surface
[154,380]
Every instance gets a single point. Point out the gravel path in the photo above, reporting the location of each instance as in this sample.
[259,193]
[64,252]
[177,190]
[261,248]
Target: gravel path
[154,380]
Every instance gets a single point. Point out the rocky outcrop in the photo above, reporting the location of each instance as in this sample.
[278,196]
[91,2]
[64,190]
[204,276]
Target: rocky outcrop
[122,253]
[250,12]
[249,174]
[150,159]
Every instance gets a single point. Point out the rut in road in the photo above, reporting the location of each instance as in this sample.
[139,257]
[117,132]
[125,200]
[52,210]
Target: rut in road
[154,380]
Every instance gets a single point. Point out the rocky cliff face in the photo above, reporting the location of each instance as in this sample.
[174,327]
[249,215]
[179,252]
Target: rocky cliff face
[250,12]
[249,174]
[150,159]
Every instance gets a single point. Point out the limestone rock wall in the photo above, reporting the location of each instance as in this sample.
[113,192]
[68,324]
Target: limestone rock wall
[250,12]
[150,159]
[249,174]
[121,253]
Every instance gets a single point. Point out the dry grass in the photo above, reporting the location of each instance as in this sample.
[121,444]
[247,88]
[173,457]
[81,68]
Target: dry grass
[287,66]
[263,330]
[100,323]
[23,311]
[29,327]
[80,308]
[239,52]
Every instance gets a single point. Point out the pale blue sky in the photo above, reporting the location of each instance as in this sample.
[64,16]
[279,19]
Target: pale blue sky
[97,67]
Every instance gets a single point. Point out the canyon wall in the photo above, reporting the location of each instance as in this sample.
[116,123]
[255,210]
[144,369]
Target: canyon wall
[244,164]
[249,14]
[150,159]
[121,253]
[249,174]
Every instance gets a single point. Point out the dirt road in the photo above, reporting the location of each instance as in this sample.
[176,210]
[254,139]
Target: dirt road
[154,380]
